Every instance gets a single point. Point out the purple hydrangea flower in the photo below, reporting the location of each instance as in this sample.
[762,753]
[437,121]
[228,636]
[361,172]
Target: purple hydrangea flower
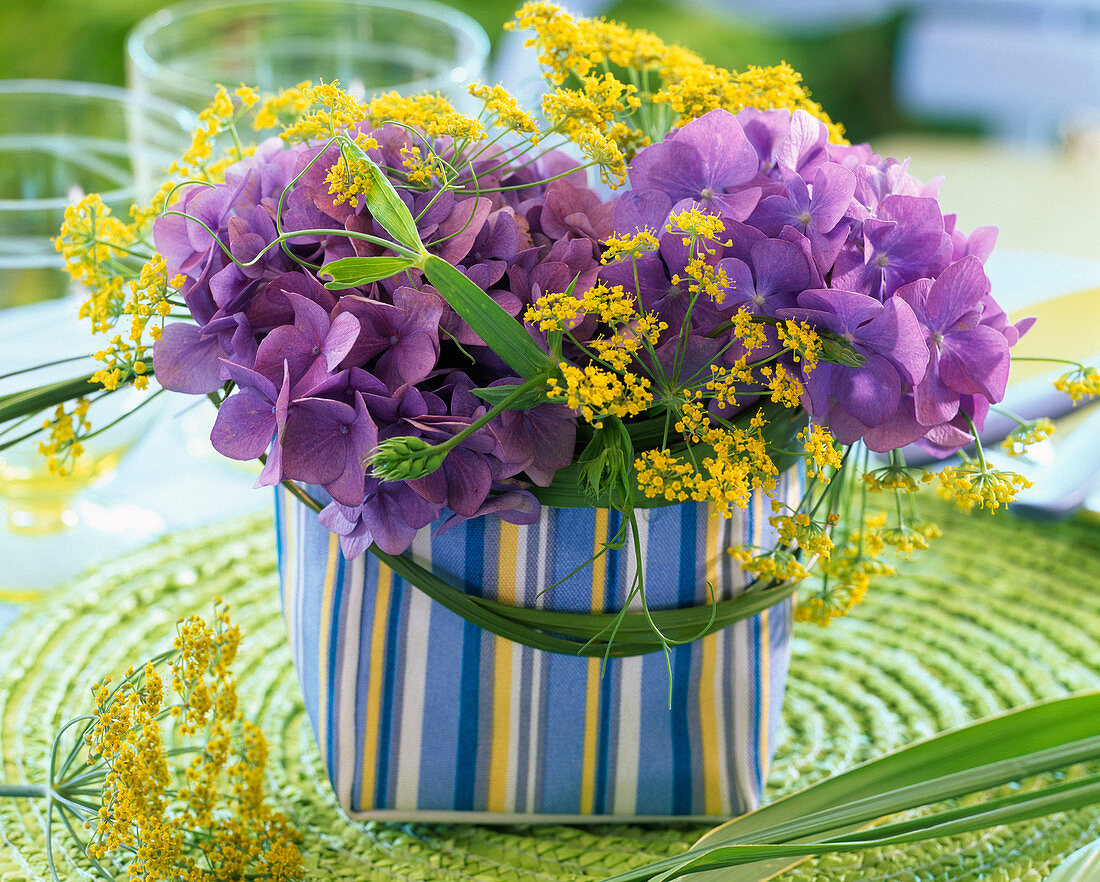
[709,162]
[329,443]
[886,335]
[966,357]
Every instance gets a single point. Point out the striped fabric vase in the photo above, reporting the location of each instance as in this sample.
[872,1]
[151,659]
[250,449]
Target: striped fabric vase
[421,715]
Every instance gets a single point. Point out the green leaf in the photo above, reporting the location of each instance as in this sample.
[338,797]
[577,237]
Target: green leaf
[837,350]
[607,463]
[384,203]
[1081,866]
[577,634]
[497,394]
[29,401]
[507,337]
[980,755]
[351,272]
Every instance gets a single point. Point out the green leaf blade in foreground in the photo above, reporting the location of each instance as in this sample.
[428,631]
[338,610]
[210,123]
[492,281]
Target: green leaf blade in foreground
[507,337]
[999,749]
[1081,866]
[351,272]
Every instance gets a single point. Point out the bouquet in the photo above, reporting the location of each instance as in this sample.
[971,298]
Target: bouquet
[429,317]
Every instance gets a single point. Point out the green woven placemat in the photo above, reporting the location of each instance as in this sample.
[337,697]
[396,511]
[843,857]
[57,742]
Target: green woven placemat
[999,613]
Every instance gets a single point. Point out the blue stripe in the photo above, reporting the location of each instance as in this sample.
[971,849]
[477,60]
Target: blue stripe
[333,639]
[469,688]
[385,717]
[279,543]
[681,671]
[607,679]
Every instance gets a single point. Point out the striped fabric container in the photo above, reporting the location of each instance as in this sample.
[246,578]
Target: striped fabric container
[421,715]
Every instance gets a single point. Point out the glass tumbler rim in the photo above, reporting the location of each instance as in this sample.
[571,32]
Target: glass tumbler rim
[139,56]
[80,89]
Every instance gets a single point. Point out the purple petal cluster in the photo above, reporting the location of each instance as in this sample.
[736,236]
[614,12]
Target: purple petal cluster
[320,378]
[831,235]
[847,241]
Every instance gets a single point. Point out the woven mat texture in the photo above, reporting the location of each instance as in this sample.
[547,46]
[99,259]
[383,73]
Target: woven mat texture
[1000,612]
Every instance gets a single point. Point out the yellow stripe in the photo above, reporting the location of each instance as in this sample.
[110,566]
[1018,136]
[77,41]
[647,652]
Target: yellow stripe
[374,686]
[326,632]
[499,773]
[765,685]
[592,693]
[708,677]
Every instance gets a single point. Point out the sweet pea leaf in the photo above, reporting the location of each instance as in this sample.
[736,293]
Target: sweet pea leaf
[497,394]
[351,272]
[507,337]
[384,203]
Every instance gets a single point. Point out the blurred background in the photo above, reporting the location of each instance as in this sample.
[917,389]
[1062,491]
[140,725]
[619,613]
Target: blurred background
[1027,70]
[950,77]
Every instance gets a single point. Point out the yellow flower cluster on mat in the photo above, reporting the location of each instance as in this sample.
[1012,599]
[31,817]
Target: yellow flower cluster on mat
[1080,383]
[678,85]
[181,772]
[1024,435]
[501,106]
[976,484]
[66,429]
[599,393]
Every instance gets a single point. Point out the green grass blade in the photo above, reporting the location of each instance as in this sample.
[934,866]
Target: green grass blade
[40,398]
[507,337]
[579,633]
[1033,804]
[994,750]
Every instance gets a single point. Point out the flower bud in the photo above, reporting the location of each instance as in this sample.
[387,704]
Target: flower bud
[406,458]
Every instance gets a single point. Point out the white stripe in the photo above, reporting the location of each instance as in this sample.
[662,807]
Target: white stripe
[642,516]
[629,714]
[626,769]
[533,731]
[743,729]
[721,702]
[343,691]
[416,638]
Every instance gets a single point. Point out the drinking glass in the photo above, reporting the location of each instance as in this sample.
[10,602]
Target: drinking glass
[58,141]
[183,52]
